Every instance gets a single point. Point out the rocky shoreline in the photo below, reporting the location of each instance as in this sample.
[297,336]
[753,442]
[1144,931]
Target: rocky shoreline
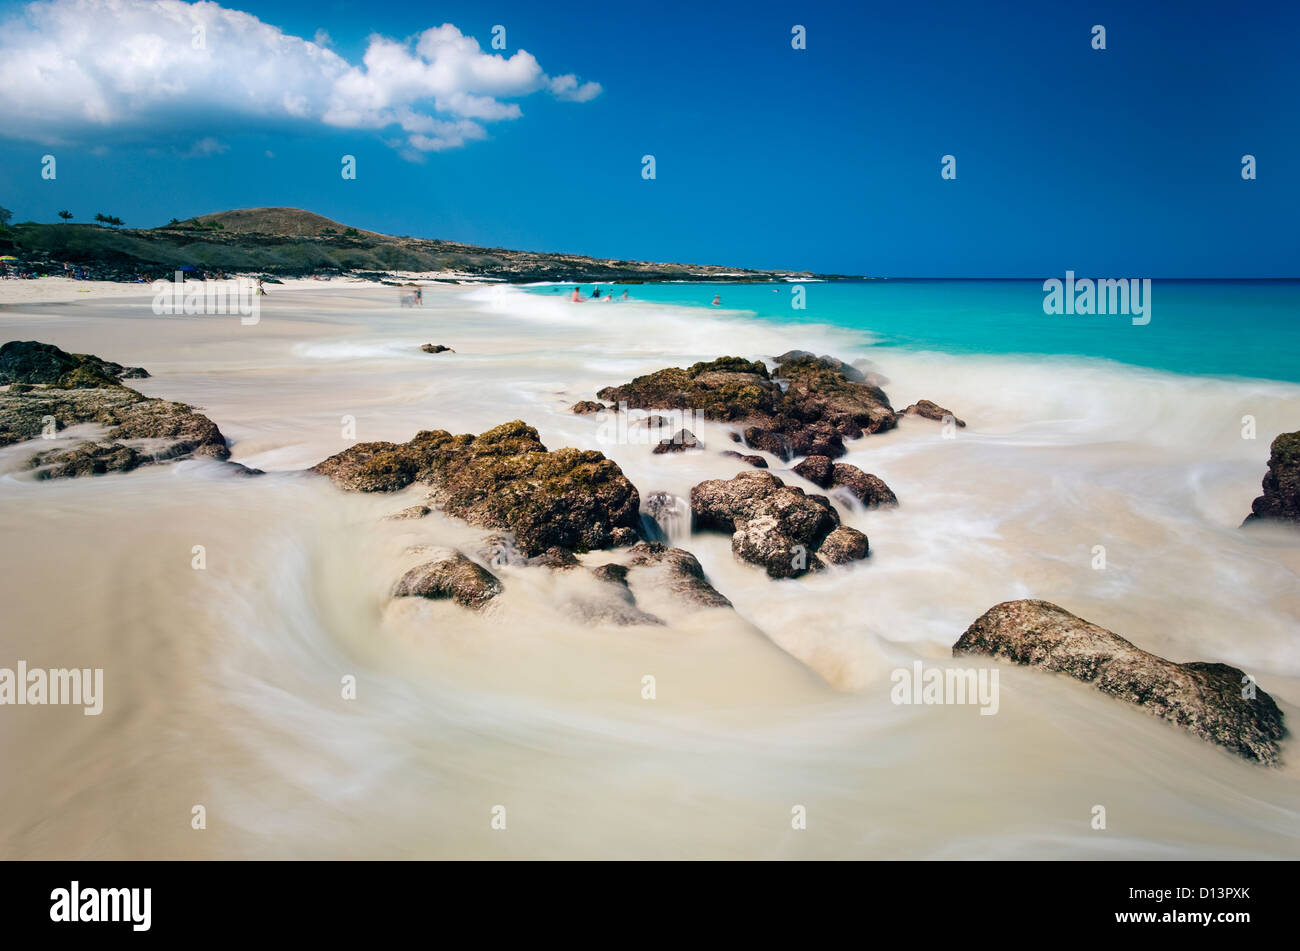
[544,508]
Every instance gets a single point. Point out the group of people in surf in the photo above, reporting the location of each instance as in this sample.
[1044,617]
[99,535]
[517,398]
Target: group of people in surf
[577,297]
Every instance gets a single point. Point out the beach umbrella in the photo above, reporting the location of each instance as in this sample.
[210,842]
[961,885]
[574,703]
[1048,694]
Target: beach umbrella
[7,257]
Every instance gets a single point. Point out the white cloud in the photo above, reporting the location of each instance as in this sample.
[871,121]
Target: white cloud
[208,145]
[74,70]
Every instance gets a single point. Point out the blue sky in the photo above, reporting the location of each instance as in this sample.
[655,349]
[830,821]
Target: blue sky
[1122,162]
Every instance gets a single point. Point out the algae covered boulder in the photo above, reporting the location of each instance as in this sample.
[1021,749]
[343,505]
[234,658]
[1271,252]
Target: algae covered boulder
[807,405]
[781,528]
[504,478]
[726,389]
[1215,702]
[449,576]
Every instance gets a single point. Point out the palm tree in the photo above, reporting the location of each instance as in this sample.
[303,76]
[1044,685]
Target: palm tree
[65,215]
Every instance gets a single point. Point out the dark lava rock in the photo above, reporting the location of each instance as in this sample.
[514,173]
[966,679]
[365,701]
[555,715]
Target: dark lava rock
[758,462]
[452,576]
[1204,699]
[728,388]
[680,441]
[819,470]
[775,526]
[436,348]
[843,545]
[831,363]
[807,406]
[29,361]
[582,407]
[868,489]
[933,411]
[88,393]
[504,478]
[678,570]
[1281,498]
[614,574]
[556,558]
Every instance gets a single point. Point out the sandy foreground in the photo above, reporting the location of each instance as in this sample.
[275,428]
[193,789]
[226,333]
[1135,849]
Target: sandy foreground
[223,685]
[57,290]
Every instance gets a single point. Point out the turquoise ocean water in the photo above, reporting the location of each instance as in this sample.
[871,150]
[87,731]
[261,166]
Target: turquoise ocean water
[1209,328]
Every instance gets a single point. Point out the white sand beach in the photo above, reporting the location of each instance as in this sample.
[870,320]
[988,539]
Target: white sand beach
[222,685]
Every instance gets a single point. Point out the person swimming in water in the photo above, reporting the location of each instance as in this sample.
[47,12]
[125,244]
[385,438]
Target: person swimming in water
[624,293]
[596,293]
[577,295]
[717,300]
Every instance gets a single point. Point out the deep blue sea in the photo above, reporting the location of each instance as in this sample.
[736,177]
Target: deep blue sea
[1212,328]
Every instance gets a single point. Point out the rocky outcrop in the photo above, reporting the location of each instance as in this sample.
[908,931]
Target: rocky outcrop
[583,407]
[677,570]
[436,348]
[1281,498]
[29,361]
[134,430]
[1215,702]
[778,527]
[449,576]
[929,410]
[868,489]
[504,478]
[807,406]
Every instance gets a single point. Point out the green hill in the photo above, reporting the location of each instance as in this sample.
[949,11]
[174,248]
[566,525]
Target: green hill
[290,242]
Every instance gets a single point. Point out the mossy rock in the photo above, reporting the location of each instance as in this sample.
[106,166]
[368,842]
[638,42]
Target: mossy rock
[504,478]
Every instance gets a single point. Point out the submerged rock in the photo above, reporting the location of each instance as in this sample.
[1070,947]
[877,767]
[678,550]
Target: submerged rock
[609,600]
[758,462]
[504,478]
[773,525]
[929,410]
[410,512]
[808,405]
[1281,498]
[680,441]
[678,570]
[848,370]
[583,407]
[436,348]
[1204,699]
[451,576]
